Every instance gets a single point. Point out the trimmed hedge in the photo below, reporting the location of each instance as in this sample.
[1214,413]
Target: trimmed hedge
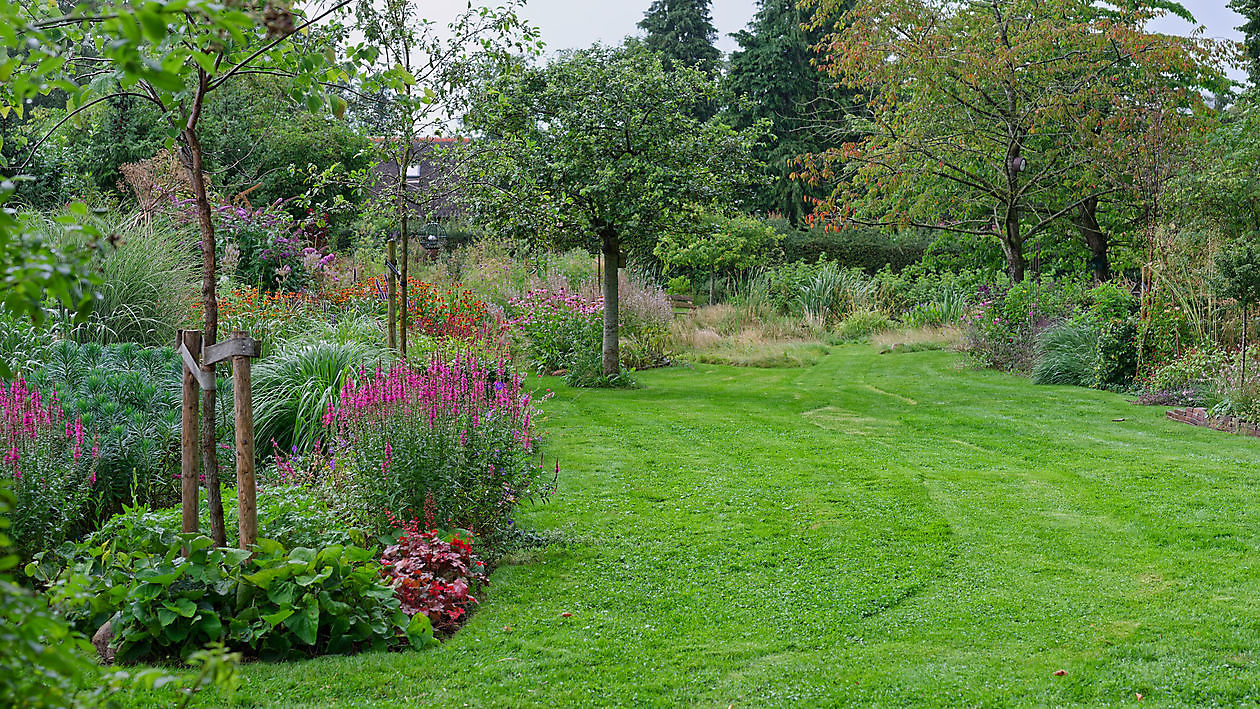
[853,247]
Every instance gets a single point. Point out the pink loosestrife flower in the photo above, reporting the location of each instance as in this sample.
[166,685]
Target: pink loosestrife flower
[31,425]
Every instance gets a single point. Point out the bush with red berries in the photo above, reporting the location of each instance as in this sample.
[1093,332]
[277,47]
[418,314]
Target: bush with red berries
[432,576]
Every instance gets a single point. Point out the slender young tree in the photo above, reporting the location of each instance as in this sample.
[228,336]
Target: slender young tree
[414,88]
[173,54]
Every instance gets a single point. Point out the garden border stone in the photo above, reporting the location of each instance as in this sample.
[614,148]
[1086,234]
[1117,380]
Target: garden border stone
[1196,416]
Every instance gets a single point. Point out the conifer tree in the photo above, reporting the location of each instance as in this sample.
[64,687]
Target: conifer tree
[1250,10]
[682,31]
[772,77]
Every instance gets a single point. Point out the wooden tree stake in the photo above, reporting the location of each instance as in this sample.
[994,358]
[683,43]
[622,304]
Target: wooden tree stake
[391,261]
[241,349]
[189,462]
[247,494]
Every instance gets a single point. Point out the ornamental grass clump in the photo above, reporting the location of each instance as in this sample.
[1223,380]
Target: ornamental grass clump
[453,440]
[51,461]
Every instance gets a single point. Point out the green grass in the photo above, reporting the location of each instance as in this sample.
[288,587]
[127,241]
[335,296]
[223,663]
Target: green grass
[873,530]
[762,354]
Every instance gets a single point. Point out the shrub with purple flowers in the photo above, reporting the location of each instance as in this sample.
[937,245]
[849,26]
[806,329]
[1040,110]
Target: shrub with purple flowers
[1002,329]
[267,249]
[51,461]
[453,440]
[557,326]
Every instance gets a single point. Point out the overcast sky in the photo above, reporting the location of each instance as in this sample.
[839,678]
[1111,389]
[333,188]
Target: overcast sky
[570,24]
[567,24]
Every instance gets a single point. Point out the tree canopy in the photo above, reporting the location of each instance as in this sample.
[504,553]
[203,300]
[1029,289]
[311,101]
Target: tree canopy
[772,76]
[600,149]
[977,114]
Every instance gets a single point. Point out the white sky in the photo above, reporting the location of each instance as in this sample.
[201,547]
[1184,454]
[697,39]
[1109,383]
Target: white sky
[567,24]
[570,24]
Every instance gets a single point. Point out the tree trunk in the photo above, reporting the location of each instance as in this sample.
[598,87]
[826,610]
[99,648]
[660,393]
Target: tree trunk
[1096,241]
[1013,246]
[612,335]
[210,303]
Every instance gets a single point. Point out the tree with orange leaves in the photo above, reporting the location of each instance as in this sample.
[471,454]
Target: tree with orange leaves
[995,117]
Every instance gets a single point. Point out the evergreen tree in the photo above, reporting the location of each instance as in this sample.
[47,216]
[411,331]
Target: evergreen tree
[683,31]
[1250,10]
[771,77]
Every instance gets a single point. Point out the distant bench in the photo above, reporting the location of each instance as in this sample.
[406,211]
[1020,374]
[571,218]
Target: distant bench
[682,304]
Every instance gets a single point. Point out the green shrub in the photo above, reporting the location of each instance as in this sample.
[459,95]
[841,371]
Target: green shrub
[861,324]
[866,249]
[1109,302]
[267,602]
[1003,329]
[1116,366]
[1067,354]
[1195,371]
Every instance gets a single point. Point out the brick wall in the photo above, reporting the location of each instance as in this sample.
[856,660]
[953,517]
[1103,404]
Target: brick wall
[1229,424]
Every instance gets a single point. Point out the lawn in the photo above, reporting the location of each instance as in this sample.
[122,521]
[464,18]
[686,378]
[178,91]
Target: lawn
[876,529]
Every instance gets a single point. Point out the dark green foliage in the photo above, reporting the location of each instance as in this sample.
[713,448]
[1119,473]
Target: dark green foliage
[576,182]
[282,173]
[253,135]
[871,250]
[291,515]
[1237,273]
[1117,354]
[1109,302]
[1250,10]
[771,78]
[682,31]
[267,602]
[130,397]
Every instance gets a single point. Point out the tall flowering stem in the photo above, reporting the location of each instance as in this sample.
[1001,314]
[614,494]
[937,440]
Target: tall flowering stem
[454,437]
[52,464]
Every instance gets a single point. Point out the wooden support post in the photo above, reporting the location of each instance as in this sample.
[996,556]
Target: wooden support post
[391,261]
[406,300]
[241,349]
[247,493]
[189,462]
